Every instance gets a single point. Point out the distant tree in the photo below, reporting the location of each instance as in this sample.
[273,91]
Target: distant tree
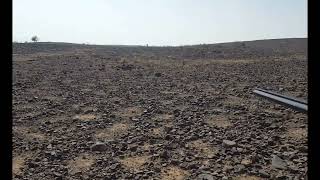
[34,38]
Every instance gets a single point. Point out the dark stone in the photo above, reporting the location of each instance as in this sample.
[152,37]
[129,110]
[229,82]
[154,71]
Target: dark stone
[133,148]
[99,147]
[164,154]
[193,166]
[124,147]
[176,111]
[33,165]
[240,168]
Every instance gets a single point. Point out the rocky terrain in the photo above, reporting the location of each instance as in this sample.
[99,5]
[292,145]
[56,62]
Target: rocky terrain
[137,112]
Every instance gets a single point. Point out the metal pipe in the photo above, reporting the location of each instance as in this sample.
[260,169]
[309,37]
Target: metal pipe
[284,96]
[287,101]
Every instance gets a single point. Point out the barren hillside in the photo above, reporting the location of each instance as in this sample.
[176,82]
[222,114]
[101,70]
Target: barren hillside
[136,112]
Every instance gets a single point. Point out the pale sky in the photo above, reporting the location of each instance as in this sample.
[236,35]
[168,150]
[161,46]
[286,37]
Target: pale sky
[158,22]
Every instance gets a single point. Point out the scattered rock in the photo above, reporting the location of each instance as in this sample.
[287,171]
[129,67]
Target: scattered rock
[33,164]
[246,162]
[99,147]
[166,108]
[278,163]
[240,168]
[263,173]
[228,143]
[205,177]
[240,150]
[57,174]
[76,109]
[49,146]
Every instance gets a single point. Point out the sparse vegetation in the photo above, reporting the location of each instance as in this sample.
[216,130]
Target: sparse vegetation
[35,39]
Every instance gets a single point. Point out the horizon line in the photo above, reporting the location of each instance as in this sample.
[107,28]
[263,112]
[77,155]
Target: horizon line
[92,44]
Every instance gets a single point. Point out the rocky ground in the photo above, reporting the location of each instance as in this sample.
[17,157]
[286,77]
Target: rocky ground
[113,112]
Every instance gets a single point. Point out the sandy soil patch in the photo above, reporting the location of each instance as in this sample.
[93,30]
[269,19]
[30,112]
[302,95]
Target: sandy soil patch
[173,173]
[18,162]
[116,130]
[134,163]
[220,121]
[158,132]
[297,133]
[233,100]
[130,112]
[85,117]
[163,117]
[81,163]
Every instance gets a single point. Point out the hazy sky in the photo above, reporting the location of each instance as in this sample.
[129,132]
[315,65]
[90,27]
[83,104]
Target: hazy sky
[158,22]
